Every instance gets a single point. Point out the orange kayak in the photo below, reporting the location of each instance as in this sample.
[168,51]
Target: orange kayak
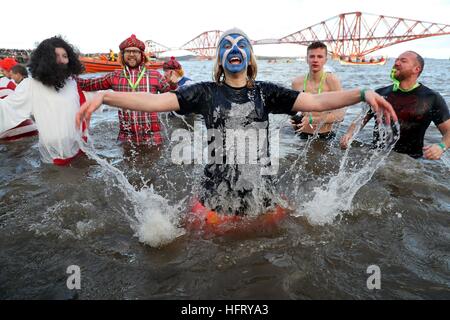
[94,65]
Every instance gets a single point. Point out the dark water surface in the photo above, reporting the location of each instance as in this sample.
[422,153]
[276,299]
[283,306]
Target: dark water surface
[53,217]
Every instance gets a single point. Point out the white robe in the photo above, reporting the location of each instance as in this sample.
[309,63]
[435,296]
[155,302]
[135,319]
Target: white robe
[54,113]
[4,89]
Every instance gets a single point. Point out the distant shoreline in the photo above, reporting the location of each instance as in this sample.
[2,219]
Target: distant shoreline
[22,56]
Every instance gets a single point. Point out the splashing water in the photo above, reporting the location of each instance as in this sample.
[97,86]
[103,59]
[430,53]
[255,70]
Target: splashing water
[155,222]
[337,196]
[301,160]
[446,160]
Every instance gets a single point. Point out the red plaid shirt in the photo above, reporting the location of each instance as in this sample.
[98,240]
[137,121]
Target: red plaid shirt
[135,126]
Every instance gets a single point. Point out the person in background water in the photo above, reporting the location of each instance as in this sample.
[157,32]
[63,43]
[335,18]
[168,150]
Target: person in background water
[52,96]
[317,80]
[174,74]
[18,73]
[7,85]
[416,106]
[235,102]
[26,128]
[137,127]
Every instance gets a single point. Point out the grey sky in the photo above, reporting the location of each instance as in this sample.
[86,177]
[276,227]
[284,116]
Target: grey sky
[97,26]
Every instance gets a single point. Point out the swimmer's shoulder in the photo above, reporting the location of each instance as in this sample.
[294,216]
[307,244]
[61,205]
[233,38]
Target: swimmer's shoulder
[297,83]
[333,82]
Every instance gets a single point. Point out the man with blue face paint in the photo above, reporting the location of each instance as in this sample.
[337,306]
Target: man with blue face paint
[235,102]
[234,52]
[234,56]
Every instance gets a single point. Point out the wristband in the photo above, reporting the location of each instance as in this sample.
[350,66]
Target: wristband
[362,94]
[443,147]
[310,119]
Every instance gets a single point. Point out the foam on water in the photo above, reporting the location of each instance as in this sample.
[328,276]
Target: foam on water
[155,221]
[337,195]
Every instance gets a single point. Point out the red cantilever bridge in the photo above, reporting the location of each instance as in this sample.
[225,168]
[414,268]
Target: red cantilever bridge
[348,34]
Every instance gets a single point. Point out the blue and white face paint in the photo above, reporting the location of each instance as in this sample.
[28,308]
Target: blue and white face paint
[234,52]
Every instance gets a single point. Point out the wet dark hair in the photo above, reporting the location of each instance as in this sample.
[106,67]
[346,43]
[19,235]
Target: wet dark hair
[317,45]
[20,69]
[43,66]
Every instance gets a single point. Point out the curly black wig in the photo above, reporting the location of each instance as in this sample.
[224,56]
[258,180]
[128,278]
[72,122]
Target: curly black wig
[43,66]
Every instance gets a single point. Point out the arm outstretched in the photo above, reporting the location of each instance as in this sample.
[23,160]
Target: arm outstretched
[138,101]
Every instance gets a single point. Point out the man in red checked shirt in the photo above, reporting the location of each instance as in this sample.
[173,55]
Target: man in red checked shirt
[135,126]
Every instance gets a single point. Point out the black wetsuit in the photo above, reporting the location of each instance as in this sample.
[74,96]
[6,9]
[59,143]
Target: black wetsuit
[225,108]
[415,111]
